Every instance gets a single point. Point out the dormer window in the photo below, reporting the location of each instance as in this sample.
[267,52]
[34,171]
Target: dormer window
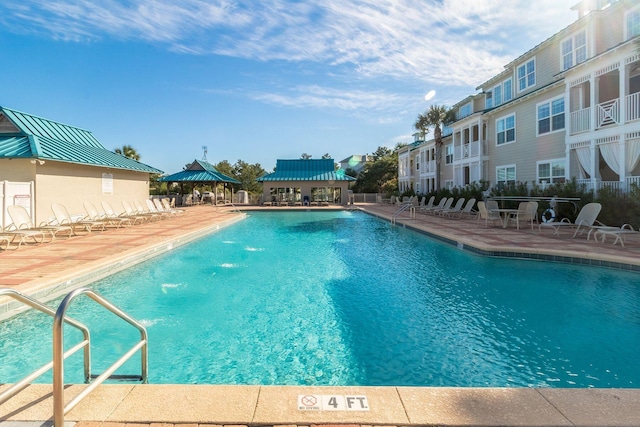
[526,74]
[574,50]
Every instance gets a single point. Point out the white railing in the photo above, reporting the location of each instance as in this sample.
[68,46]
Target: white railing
[587,183]
[611,185]
[580,120]
[474,149]
[633,107]
[609,112]
[633,180]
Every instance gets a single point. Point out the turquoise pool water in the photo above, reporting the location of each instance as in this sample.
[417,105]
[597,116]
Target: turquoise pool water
[343,298]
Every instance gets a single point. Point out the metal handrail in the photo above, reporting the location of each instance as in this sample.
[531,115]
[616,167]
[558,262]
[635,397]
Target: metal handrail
[59,408]
[402,208]
[85,343]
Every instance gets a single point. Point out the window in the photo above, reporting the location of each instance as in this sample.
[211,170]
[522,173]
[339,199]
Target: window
[465,110]
[418,162]
[506,174]
[527,75]
[449,154]
[499,94]
[633,23]
[506,130]
[551,116]
[574,50]
[551,171]
[488,100]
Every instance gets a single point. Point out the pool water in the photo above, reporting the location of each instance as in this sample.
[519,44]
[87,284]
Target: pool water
[343,298]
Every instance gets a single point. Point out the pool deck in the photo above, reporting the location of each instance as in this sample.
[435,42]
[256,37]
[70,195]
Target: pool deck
[52,269]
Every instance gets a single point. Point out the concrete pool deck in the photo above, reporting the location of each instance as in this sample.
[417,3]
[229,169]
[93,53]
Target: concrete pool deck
[68,263]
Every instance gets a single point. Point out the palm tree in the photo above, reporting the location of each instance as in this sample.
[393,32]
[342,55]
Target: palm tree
[437,116]
[128,151]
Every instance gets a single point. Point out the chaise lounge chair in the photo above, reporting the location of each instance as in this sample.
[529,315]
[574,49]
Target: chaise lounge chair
[22,221]
[618,233]
[527,211]
[111,213]
[456,209]
[585,219]
[63,218]
[167,207]
[94,215]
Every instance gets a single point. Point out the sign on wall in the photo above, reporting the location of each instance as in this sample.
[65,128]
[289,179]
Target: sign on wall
[107,183]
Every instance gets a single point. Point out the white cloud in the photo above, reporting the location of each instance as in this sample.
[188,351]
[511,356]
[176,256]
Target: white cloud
[446,44]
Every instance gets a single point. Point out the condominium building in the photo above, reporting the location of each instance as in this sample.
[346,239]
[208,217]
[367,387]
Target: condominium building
[567,108]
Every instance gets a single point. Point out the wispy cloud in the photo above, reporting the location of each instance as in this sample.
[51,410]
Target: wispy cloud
[451,43]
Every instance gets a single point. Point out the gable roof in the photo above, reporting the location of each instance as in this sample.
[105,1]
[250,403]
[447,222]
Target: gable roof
[24,135]
[199,171]
[306,170]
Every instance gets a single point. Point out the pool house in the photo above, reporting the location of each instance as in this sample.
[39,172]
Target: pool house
[305,182]
[43,162]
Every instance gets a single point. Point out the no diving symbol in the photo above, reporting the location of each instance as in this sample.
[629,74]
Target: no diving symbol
[309,400]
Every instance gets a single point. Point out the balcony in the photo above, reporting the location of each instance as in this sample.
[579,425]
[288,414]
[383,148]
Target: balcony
[468,150]
[608,113]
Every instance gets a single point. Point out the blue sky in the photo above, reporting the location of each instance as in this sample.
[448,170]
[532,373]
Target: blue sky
[257,80]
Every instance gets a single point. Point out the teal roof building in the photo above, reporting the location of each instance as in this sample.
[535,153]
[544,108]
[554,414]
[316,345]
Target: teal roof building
[43,161]
[305,182]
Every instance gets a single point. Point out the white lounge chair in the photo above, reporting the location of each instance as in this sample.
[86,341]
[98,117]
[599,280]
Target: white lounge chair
[168,208]
[439,206]
[618,233]
[585,219]
[111,213]
[63,218]
[22,221]
[134,213]
[94,215]
[456,209]
[447,205]
[428,205]
[468,208]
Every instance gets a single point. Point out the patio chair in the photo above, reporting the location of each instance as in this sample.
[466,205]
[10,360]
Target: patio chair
[153,209]
[94,215]
[22,221]
[618,233]
[63,218]
[456,209]
[585,220]
[468,208]
[168,208]
[447,205]
[428,205]
[439,206]
[527,211]
[6,239]
[134,213]
[487,215]
[111,213]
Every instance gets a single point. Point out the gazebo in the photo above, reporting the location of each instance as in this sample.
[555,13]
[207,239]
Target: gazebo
[200,172]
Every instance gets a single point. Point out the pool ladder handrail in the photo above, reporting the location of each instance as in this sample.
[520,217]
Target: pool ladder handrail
[59,408]
[402,208]
[59,355]
[85,343]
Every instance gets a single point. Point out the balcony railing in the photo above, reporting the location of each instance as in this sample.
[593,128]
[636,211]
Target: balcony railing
[581,120]
[608,112]
[465,151]
[633,107]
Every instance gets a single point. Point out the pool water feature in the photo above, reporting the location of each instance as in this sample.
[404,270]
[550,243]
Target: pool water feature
[343,298]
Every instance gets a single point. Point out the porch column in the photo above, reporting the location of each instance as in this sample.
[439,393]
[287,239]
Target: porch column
[596,165]
[622,90]
[622,146]
[594,107]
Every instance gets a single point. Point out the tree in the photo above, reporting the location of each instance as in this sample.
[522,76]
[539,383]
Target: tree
[305,156]
[128,151]
[379,176]
[326,156]
[437,116]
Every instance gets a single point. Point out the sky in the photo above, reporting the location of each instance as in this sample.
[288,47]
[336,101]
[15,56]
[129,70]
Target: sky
[257,80]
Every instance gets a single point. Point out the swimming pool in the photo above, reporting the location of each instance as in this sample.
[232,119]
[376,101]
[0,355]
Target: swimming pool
[343,298]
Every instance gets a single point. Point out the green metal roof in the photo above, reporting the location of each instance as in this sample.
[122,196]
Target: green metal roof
[199,171]
[23,135]
[306,170]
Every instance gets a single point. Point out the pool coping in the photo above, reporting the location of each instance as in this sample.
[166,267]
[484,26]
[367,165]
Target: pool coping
[278,405]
